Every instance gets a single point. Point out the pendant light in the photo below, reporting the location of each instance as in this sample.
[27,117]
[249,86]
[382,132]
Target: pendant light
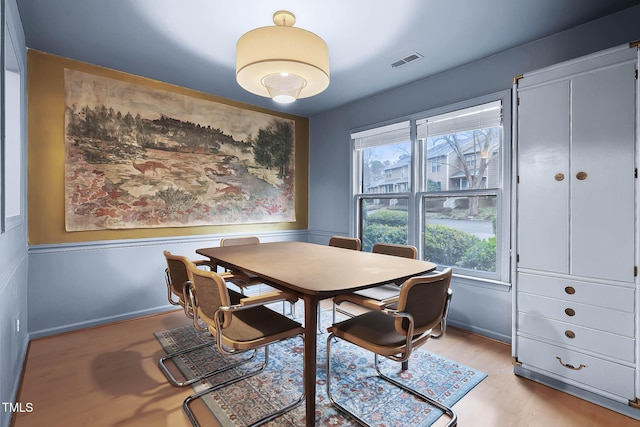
[282,62]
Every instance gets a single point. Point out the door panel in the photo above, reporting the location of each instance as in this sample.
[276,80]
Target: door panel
[602,150]
[543,197]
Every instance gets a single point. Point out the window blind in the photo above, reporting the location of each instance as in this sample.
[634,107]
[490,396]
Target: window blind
[477,117]
[390,134]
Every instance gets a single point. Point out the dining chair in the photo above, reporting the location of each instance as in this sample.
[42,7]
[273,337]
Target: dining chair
[243,279]
[178,279]
[352,243]
[385,291]
[345,242]
[396,333]
[388,293]
[175,278]
[238,327]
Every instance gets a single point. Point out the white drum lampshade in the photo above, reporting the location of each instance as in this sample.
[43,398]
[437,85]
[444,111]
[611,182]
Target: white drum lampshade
[282,62]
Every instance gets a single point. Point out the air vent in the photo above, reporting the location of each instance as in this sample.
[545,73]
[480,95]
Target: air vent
[409,58]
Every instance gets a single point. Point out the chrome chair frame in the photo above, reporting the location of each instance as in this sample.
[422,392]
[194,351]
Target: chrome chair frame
[188,310]
[412,340]
[220,320]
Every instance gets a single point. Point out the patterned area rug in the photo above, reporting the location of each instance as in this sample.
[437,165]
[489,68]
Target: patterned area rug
[353,382]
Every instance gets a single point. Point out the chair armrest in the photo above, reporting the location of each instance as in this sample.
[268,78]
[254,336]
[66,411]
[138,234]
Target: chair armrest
[239,276]
[204,263]
[267,298]
[372,304]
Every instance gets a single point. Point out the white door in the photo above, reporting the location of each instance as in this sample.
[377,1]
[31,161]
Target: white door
[602,173]
[543,177]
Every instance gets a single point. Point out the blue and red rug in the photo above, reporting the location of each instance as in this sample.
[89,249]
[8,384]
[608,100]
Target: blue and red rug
[354,382]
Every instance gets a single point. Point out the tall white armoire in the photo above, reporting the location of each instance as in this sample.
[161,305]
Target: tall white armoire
[576,294]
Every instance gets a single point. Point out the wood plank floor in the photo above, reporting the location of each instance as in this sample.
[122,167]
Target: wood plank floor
[108,376]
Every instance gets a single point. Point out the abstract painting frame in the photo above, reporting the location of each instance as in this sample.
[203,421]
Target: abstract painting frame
[143,157]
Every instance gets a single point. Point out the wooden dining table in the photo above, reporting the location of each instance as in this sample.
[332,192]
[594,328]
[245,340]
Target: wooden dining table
[315,272]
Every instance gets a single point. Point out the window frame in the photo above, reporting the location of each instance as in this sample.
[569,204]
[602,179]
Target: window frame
[419,193]
[14,194]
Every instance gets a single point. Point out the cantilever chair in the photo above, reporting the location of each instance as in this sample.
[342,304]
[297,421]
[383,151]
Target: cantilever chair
[396,333]
[178,278]
[243,279]
[345,242]
[382,292]
[352,243]
[238,327]
[175,278]
[388,293]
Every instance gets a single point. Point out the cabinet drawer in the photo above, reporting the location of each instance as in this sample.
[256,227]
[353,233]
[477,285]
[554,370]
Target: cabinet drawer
[572,365]
[614,297]
[567,334]
[603,319]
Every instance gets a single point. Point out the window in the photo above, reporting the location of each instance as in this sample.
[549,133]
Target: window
[436,164]
[454,212]
[12,142]
[383,161]
[460,219]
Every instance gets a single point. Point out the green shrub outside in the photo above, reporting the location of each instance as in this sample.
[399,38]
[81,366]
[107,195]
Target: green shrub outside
[443,245]
[388,217]
[380,233]
[481,256]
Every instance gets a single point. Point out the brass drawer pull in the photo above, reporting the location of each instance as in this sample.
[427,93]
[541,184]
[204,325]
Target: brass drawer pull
[570,290]
[581,176]
[559,177]
[570,366]
[569,312]
[570,334]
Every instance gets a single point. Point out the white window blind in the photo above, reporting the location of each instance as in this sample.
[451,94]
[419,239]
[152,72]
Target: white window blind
[390,134]
[477,117]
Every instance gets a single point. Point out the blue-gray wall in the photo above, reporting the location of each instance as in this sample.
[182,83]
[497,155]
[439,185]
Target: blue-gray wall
[13,264]
[78,285]
[483,308]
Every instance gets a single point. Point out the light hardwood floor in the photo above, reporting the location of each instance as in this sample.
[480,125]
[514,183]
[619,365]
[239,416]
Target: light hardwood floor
[108,376]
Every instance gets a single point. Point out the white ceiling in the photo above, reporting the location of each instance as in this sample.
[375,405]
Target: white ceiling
[191,43]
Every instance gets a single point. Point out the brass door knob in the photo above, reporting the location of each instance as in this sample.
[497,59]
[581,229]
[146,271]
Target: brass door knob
[570,334]
[570,290]
[569,312]
[559,176]
[581,176]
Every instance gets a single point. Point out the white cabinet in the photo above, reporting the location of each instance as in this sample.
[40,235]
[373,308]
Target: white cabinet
[576,288]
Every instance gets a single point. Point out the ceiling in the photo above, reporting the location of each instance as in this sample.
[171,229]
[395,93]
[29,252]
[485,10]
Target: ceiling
[191,43]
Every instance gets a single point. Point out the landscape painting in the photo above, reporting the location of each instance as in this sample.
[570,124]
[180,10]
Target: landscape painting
[139,157]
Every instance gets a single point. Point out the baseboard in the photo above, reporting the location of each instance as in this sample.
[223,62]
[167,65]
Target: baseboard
[480,331]
[98,322]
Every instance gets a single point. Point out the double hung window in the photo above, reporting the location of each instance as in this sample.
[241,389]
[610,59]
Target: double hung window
[437,181]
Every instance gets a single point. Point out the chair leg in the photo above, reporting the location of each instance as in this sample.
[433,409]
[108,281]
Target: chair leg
[175,382]
[187,402]
[448,411]
[334,402]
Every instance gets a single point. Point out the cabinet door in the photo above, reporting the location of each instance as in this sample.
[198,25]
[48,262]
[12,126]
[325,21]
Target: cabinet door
[602,173]
[543,181]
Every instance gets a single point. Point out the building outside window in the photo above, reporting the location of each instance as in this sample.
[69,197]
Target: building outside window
[454,212]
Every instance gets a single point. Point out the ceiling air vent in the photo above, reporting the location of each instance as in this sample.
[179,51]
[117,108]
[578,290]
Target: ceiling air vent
[409,58]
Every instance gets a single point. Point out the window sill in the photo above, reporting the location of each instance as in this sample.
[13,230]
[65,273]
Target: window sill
[480,282]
